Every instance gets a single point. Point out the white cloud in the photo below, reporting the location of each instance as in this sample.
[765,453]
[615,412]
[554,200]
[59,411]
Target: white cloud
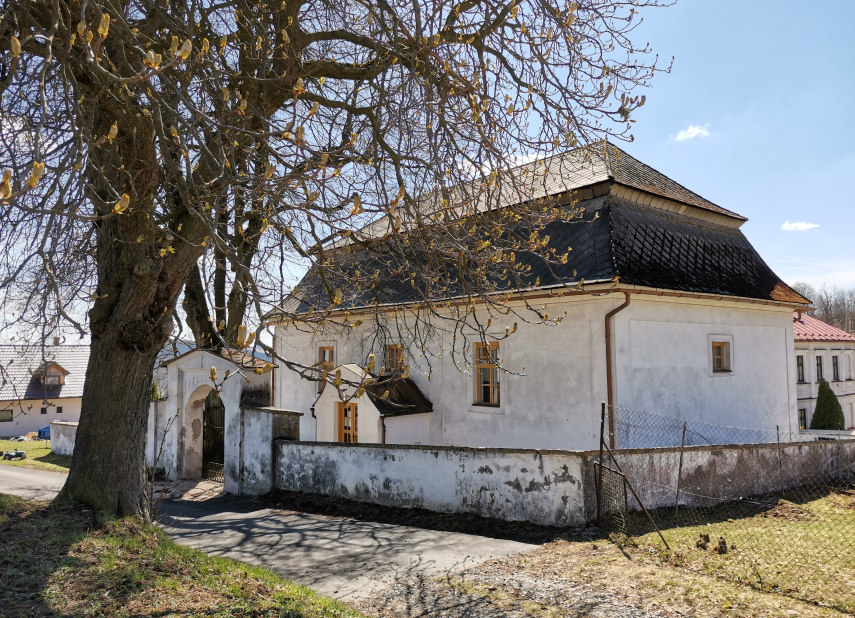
[798,226]
[692,132]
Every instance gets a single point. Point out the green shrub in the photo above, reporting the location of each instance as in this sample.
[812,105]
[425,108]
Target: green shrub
[828,413]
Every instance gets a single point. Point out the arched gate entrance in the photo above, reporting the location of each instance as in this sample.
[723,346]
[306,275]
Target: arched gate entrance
[213,437]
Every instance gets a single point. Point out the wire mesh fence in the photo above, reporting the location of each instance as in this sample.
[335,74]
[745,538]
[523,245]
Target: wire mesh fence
[774,510]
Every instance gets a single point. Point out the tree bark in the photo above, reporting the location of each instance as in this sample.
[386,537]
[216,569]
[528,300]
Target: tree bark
[107,470]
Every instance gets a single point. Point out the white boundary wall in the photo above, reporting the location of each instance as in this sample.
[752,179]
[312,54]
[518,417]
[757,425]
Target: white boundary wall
[544,487]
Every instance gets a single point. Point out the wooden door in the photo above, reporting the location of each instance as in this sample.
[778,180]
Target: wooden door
[347,422]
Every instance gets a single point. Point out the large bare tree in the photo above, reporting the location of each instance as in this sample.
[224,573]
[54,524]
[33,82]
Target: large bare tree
[228,145]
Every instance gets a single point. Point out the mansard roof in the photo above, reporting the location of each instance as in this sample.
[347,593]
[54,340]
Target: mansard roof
[639,226]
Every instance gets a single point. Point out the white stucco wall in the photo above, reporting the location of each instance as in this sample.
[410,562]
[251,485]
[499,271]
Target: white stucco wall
[541,487]
[27,416]
[662,363]
[62,437]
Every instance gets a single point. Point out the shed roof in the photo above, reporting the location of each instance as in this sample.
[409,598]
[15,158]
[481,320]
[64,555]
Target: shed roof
[808,328]
[20,366]
[405,397]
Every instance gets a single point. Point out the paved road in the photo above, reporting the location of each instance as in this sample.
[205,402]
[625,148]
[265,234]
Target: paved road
[337,557]
[30,483]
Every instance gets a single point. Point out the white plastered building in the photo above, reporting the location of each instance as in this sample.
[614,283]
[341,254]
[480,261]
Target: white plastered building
[678,316]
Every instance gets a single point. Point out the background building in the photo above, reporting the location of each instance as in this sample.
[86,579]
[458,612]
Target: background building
[823,352]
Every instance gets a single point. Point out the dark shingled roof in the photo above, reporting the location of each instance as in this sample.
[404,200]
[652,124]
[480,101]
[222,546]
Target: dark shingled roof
[404,397]
[642,245]
[18,363]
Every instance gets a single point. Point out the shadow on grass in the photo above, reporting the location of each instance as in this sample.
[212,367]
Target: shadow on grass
[62,461]
[34,542]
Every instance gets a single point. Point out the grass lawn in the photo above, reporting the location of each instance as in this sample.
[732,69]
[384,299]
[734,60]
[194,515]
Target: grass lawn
[62,560]
[39,456]
[799,544]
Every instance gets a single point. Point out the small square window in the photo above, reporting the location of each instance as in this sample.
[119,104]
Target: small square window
[5,416]
[59,409]
[721,357]
[44,410]
[802,418]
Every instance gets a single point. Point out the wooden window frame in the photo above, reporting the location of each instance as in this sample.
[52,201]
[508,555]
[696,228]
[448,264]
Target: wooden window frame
[819,373]
[835,368]
[494,383]
[800,368]
[724,348]
[347,435]
[394,362]
[328,365]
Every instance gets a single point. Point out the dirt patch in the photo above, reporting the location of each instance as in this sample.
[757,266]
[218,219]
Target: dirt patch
[787,511]
[593,579]
[327,506]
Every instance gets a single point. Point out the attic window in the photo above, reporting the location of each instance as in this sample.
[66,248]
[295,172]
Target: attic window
[394,358]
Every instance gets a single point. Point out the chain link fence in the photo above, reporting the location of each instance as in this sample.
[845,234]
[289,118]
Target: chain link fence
[771,509]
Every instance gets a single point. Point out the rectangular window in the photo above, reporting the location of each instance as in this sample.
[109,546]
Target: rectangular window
[347,423]
[59,409]
[835,369]
[326,362]
[395,356]
[5,416]
[800,369]
[721,357]
[44,410]
[802,418]
[487,374]
[818,368]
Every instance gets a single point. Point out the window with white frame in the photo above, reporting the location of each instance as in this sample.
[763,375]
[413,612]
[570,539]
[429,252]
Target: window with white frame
[819,368]
[800,368]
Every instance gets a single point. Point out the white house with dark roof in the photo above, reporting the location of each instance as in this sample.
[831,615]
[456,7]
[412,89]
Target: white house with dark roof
[40,384]
[679,316]
[823,352]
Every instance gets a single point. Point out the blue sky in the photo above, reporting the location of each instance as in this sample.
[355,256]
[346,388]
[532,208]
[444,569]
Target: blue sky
[772,85]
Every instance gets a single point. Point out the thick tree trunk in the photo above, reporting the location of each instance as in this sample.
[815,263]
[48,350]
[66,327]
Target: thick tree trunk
[108,471]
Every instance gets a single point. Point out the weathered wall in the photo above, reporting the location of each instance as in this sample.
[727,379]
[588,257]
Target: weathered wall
[722,472]
[544,487]
[62,437]
[547,487]
[260,427]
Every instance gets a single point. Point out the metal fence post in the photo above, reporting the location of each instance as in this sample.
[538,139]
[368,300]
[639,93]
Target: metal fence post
[780,459]
[600,477]
[680,471]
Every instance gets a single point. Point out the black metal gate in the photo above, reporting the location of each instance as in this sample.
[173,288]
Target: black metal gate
[213,437]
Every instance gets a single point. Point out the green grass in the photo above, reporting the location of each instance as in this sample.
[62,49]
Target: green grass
[39,456]
[801,543]
[65,560]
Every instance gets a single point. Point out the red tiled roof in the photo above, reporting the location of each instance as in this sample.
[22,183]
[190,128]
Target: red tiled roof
[809,328]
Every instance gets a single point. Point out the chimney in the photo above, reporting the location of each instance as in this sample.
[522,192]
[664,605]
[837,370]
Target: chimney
[56,340]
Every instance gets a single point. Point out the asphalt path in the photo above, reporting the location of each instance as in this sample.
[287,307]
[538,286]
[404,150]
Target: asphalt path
[342,558]
[30,483]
